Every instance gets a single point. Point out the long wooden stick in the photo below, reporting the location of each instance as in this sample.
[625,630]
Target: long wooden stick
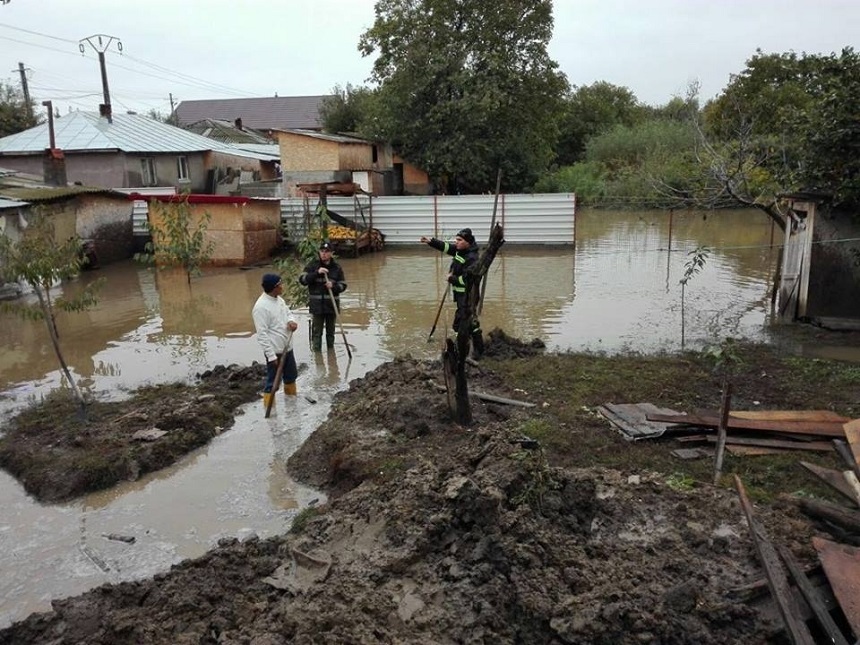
[439,311]
[492,226]
[340,324]
[796,630]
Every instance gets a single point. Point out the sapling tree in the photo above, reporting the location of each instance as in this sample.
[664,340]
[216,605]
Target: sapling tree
[40,260]
[695,263]
[178,238]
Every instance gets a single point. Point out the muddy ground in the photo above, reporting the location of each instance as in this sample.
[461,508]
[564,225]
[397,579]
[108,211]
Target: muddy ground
[436,533]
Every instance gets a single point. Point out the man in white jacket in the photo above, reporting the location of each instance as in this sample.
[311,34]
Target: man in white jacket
[275,325]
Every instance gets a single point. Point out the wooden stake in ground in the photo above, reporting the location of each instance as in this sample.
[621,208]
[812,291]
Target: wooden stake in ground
[725,404]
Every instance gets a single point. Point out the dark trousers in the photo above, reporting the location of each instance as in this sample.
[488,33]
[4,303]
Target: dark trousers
[320,321]
[475,332]
[289,375]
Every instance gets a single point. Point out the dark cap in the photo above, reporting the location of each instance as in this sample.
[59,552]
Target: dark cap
[466,234]
[270,281]
[325,246]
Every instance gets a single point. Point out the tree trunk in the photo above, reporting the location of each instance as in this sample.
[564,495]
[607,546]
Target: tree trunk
[455,355]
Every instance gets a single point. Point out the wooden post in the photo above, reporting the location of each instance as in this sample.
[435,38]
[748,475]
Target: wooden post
[671,216]
[725,405]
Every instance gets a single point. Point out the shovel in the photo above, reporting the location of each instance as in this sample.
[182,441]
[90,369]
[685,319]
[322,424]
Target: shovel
[339,323]
[439,312]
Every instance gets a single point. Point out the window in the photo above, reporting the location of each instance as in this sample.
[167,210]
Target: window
[182,168]
[147,172]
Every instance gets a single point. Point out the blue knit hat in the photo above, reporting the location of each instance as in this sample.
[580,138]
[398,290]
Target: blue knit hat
[270,281]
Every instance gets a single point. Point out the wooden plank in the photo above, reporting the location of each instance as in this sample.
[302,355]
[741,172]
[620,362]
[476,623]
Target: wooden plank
[780,590]
[790,415]
[630,419]
[830,477]
[852,436]
[812,598]
[842,566]
[753,451]
[691,453]
[785,444]
[822,429]
[847,456]
[837,514]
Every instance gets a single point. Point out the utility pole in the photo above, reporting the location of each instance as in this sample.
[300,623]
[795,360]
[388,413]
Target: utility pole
[104,43]
[26,89]
[172,119]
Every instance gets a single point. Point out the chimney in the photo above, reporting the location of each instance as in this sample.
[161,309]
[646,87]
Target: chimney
[238,123]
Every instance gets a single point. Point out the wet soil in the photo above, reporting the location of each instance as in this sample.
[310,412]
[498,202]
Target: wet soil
[436,533]
[58,453]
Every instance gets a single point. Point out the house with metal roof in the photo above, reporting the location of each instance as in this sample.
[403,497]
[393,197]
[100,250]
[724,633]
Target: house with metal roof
[131,150]
[261,113]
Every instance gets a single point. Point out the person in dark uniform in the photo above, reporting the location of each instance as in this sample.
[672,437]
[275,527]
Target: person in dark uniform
[464,253]
[320,276]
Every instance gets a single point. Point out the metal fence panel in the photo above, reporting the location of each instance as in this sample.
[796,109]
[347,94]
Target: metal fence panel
[528,219]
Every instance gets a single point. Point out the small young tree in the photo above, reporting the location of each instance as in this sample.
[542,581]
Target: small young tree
[177,239]
[40,260]
[696,263]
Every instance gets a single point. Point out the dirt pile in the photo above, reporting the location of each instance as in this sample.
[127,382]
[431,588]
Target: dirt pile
[441,534]
[57,455]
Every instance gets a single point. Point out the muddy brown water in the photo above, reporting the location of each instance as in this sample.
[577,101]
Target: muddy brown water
[617,290]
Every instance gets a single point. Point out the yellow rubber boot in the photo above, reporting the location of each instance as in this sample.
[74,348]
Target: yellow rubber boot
[267,397]
[290,389]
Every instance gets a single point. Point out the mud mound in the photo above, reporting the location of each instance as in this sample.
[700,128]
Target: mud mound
[57,455]
[502,346]
[441,534]
[479,543]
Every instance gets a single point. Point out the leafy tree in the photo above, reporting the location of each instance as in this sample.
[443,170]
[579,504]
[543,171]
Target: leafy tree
[40,260]
[466,87]
[178,237]
[158,115]
[346,110]
[786,123]
[15,115]
[592,110]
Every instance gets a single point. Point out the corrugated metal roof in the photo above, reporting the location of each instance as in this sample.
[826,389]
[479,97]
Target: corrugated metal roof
[11,203]
[271,149]
[227,132]
[46,194]
[264,113]
[88,132]
[337,138]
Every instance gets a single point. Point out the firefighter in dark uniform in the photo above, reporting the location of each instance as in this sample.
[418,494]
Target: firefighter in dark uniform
[464,253]
[320,276]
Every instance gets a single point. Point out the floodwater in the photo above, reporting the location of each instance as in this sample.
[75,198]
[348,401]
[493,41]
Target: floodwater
[618,290]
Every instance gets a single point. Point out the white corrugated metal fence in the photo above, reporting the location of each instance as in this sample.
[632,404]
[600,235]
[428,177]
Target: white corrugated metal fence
[546,218]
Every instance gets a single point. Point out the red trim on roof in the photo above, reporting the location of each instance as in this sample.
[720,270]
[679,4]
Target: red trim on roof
[191,199]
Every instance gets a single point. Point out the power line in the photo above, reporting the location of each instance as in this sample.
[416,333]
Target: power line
[37,33]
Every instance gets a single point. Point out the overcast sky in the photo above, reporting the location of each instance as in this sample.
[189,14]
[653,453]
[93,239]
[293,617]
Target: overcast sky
[195,49]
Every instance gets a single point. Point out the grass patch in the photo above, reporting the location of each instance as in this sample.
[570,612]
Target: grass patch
[568,388]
